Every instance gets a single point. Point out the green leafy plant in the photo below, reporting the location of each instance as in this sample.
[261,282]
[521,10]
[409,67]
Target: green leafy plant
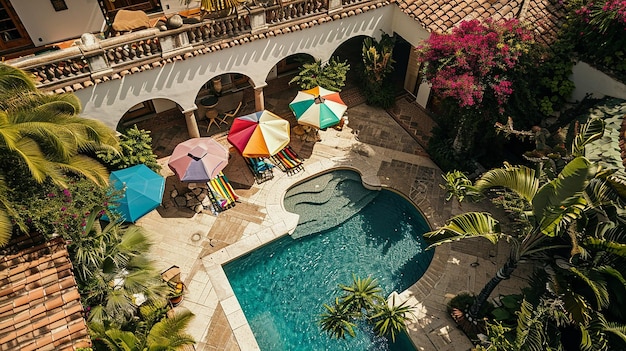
[50,208]
[136,148]
[362,300]
[377,65]
[330,75]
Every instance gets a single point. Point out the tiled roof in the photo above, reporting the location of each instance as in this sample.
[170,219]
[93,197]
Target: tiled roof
[40,306]
[442,15]
[547,17]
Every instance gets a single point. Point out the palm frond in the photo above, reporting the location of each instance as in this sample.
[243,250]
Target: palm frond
[560,191]
[362,294]
[556,219]
[529,329]
[520,179]
[617,329]
[467,225]
[597,286]
[87,167]
[589,132]
[170,331]
[337,321]
[612,247]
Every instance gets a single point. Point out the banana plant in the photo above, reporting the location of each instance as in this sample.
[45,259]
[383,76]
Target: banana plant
[549,209]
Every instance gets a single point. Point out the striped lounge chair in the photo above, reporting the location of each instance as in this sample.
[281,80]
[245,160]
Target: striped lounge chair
[222,194]
[288,161]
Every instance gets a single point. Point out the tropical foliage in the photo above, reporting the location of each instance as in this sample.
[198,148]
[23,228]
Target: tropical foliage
[136,148]
[570,220]
[362,300]
[112,271]
[378,64]
[125,296]
[43,139]
[64,210]
[590,20]
[546,208]
[330,75]
[153,332]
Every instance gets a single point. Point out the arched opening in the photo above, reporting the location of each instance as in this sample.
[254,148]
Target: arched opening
[163,118]
[220,100]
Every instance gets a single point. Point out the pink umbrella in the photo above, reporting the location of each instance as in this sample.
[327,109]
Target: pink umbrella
[198,159]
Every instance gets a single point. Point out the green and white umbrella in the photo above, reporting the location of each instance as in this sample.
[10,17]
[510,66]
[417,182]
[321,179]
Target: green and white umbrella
[318,107]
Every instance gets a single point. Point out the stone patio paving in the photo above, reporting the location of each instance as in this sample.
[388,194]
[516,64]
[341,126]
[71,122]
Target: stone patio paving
[386,155]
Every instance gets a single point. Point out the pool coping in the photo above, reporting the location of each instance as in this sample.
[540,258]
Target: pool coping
[284,223]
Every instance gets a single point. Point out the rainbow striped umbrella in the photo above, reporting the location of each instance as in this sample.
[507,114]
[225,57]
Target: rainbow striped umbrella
[259,134]
[318,107]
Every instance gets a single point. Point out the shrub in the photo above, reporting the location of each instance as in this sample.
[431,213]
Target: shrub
[330,75]
[51,209]
[474,60]
[136,148]
[377,64]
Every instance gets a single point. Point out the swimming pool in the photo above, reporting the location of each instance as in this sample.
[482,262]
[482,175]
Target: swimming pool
[282,286]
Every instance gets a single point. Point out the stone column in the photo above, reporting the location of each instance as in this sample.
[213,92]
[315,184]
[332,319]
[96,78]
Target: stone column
[192,125]
[259,100]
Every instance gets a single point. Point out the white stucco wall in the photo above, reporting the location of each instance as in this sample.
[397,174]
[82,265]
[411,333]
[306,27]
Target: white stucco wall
[181,81]
[589,80]
[46,26]
[408,28]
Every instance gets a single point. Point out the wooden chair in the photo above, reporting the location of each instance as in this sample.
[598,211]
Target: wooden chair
[230,114]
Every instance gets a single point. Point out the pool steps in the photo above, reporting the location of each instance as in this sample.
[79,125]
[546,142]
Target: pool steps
[319,209]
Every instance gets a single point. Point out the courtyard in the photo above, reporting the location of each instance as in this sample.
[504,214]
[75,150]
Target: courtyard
[374,144]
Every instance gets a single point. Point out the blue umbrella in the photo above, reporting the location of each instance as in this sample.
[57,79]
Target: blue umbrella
[142,188]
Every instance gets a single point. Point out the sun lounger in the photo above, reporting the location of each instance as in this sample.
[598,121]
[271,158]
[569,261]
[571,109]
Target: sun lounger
[262,171]
[288,161]
[222,194]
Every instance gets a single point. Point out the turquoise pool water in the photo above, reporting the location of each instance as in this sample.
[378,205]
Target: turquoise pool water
[282,286]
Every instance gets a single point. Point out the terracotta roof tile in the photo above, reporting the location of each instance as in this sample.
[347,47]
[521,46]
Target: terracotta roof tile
[40,305]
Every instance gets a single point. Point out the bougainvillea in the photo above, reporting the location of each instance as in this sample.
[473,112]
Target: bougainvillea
[472,61]
[597,30]
[52,209]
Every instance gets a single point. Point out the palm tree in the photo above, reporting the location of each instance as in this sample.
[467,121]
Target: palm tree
[363,299]
[361,295]
[337,320]
[112,271]
[390,319]
[43,135]
[153,333]
[545,211]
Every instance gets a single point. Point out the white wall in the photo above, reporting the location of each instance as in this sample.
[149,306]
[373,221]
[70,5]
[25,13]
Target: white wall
[46,26]
[408,28]
[181,81]
[161,105]
[590,80]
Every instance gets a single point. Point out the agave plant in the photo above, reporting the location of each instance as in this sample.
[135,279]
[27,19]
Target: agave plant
[390,319]
[337,320]
[361,295]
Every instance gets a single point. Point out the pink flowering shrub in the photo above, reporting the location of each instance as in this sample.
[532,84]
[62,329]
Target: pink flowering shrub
[52,209]
[471,63]
[597,30]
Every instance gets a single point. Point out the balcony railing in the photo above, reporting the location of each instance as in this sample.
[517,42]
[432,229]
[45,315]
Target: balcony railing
[95,61]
